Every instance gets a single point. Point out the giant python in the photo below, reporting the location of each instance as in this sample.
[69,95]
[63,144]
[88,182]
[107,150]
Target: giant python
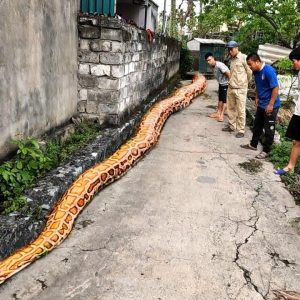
[61,219]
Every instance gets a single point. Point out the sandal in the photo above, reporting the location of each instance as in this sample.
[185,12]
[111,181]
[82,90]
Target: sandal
[214,116]
[221,119]
[249,147]
[262,155]
[283,172]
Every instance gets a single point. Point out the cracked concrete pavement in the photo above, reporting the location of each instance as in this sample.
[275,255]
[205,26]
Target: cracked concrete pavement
[185,223]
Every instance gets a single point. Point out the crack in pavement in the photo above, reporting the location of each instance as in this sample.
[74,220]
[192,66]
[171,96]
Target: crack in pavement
[43,283]
[247,273]
[97,249]
[104,247]
[255,219]
[276,257]
[273,254]
[233,169]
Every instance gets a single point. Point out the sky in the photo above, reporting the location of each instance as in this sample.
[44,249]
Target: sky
[160,3]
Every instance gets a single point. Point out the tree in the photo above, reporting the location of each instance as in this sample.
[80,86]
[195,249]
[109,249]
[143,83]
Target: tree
[185,17]
[278,19]
[173,23]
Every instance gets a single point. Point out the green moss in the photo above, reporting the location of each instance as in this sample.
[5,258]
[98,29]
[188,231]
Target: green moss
[252,166]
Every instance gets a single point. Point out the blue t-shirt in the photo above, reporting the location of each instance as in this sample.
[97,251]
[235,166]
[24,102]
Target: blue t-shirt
[266,80]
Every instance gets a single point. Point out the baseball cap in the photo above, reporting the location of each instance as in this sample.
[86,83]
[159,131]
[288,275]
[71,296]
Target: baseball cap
[232,44]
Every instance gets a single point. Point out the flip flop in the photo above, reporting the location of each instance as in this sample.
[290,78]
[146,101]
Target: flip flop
[221,120]
[213,116]
[282,172]
[249,147]
[262,155]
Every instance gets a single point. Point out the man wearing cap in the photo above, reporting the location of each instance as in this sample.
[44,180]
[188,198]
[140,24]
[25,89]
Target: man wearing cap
[240,75]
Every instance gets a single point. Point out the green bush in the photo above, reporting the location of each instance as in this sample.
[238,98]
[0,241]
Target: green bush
[31,162]
[186,61]
[284,66]
[280,153]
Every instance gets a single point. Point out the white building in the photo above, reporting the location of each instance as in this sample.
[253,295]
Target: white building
[142,12]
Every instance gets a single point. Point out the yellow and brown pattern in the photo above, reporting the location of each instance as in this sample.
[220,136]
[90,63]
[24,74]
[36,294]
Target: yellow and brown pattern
[286,295]
[62,218]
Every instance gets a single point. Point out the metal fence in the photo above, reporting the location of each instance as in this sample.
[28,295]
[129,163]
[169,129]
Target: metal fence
[102,7]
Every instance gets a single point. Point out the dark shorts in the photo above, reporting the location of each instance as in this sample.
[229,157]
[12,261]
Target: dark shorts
[293,130]
[223,93]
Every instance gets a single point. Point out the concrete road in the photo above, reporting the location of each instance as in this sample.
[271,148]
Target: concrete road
[186,223]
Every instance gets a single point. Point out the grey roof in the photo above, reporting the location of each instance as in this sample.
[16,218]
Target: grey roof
[270,53]
[153,2]
[209,41]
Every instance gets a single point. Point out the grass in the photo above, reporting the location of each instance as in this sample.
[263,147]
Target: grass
[61,151]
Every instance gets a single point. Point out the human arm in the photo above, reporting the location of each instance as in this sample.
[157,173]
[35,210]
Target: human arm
[249,72]
[271,77]
[227,74]
[274,95]
[256,100]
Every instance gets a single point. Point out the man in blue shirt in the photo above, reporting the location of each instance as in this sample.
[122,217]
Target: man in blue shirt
[267,102]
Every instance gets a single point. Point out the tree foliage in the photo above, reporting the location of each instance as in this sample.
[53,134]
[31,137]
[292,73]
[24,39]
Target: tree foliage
[186,59]
[277,20]
[251,22]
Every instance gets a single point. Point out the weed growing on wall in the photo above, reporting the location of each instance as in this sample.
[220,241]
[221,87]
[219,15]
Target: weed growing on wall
[83,134]
[19,173]
[31,162]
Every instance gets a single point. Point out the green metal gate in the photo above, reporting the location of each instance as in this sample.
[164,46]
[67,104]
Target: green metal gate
[101,7]
[218,51]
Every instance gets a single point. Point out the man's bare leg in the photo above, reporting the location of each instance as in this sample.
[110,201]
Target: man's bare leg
[222,111]
[293,157]
[216,115]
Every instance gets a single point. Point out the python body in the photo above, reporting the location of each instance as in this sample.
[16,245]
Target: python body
[61,219]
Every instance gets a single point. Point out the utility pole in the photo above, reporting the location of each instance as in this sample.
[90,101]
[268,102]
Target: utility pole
[173,25]
[164,18]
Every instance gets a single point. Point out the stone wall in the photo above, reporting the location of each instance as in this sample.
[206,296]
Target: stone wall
[119,67]
[38,67]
